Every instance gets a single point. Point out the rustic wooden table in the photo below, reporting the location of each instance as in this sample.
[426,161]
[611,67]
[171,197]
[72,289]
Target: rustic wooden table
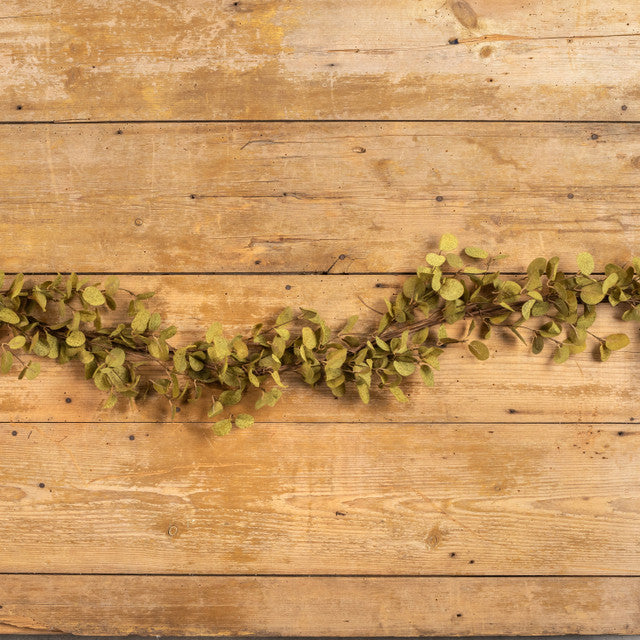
[242,156]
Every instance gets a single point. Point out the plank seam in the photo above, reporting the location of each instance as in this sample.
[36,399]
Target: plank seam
[328,121]
[329,422]
[328,575]
[250,273]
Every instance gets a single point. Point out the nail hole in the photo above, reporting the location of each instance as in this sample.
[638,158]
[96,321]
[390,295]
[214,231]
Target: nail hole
[624,107]
[67,400]
[342,256]
[41,485]
[14,433]
[594,136]
[119,132]
[138,222]
[132,437]
[19,107]
[453,41]
[193,196]
[570,196]
[439,198]
[359,150]
[287,287]
[258,262]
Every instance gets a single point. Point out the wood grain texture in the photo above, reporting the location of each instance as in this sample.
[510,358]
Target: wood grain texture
[513,385]
[304,606]
[367,498]
[304,59]
[298,197]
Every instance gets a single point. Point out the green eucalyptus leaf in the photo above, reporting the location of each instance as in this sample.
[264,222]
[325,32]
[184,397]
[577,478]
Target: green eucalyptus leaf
[404,368]
[244,421]
[93,296]
[17,342]
[222,427]
[426,373]
[479,349]
[476,252]
[6,362]
[454,260]
[451,289]
[609,282]
[32,370]
[561,354]
[116,357]
[448,242]
[435,259]
[617,341]
[140,321]
[585,263]
[398,394]
[75,339]
[592,293]
[9,316]
[537,344]
[309,338]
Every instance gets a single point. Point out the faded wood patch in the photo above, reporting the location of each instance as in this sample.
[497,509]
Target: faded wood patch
[331,498]
[312,197]
[304,59]
[319,606]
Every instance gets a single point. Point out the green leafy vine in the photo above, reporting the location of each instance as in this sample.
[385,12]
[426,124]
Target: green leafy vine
[62,319]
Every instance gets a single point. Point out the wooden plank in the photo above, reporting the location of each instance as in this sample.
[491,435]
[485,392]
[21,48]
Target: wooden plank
[304,59]
[334,498]
[305,606]
[513,385]
[298,196]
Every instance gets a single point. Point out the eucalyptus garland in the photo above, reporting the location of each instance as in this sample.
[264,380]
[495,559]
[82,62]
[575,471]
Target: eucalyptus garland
[63,319]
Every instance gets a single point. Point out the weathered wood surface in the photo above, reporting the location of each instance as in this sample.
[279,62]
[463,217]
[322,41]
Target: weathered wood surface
[322,606]
[298,196]
[349,499]
[513,385]
[503,501]
[304,59]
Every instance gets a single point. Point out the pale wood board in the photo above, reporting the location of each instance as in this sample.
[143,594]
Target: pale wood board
[322,606]
[318,197]
[304,59]
[367,498]
[513,385]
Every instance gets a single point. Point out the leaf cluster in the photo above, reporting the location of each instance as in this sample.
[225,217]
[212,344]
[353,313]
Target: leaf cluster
[62,319]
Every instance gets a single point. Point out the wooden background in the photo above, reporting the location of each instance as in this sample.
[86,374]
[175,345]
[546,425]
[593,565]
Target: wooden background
[239,156]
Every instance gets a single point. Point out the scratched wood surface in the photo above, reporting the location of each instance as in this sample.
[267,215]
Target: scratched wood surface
[299,196]
[238,157]
[310,59]
[327,606]
[355,499]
